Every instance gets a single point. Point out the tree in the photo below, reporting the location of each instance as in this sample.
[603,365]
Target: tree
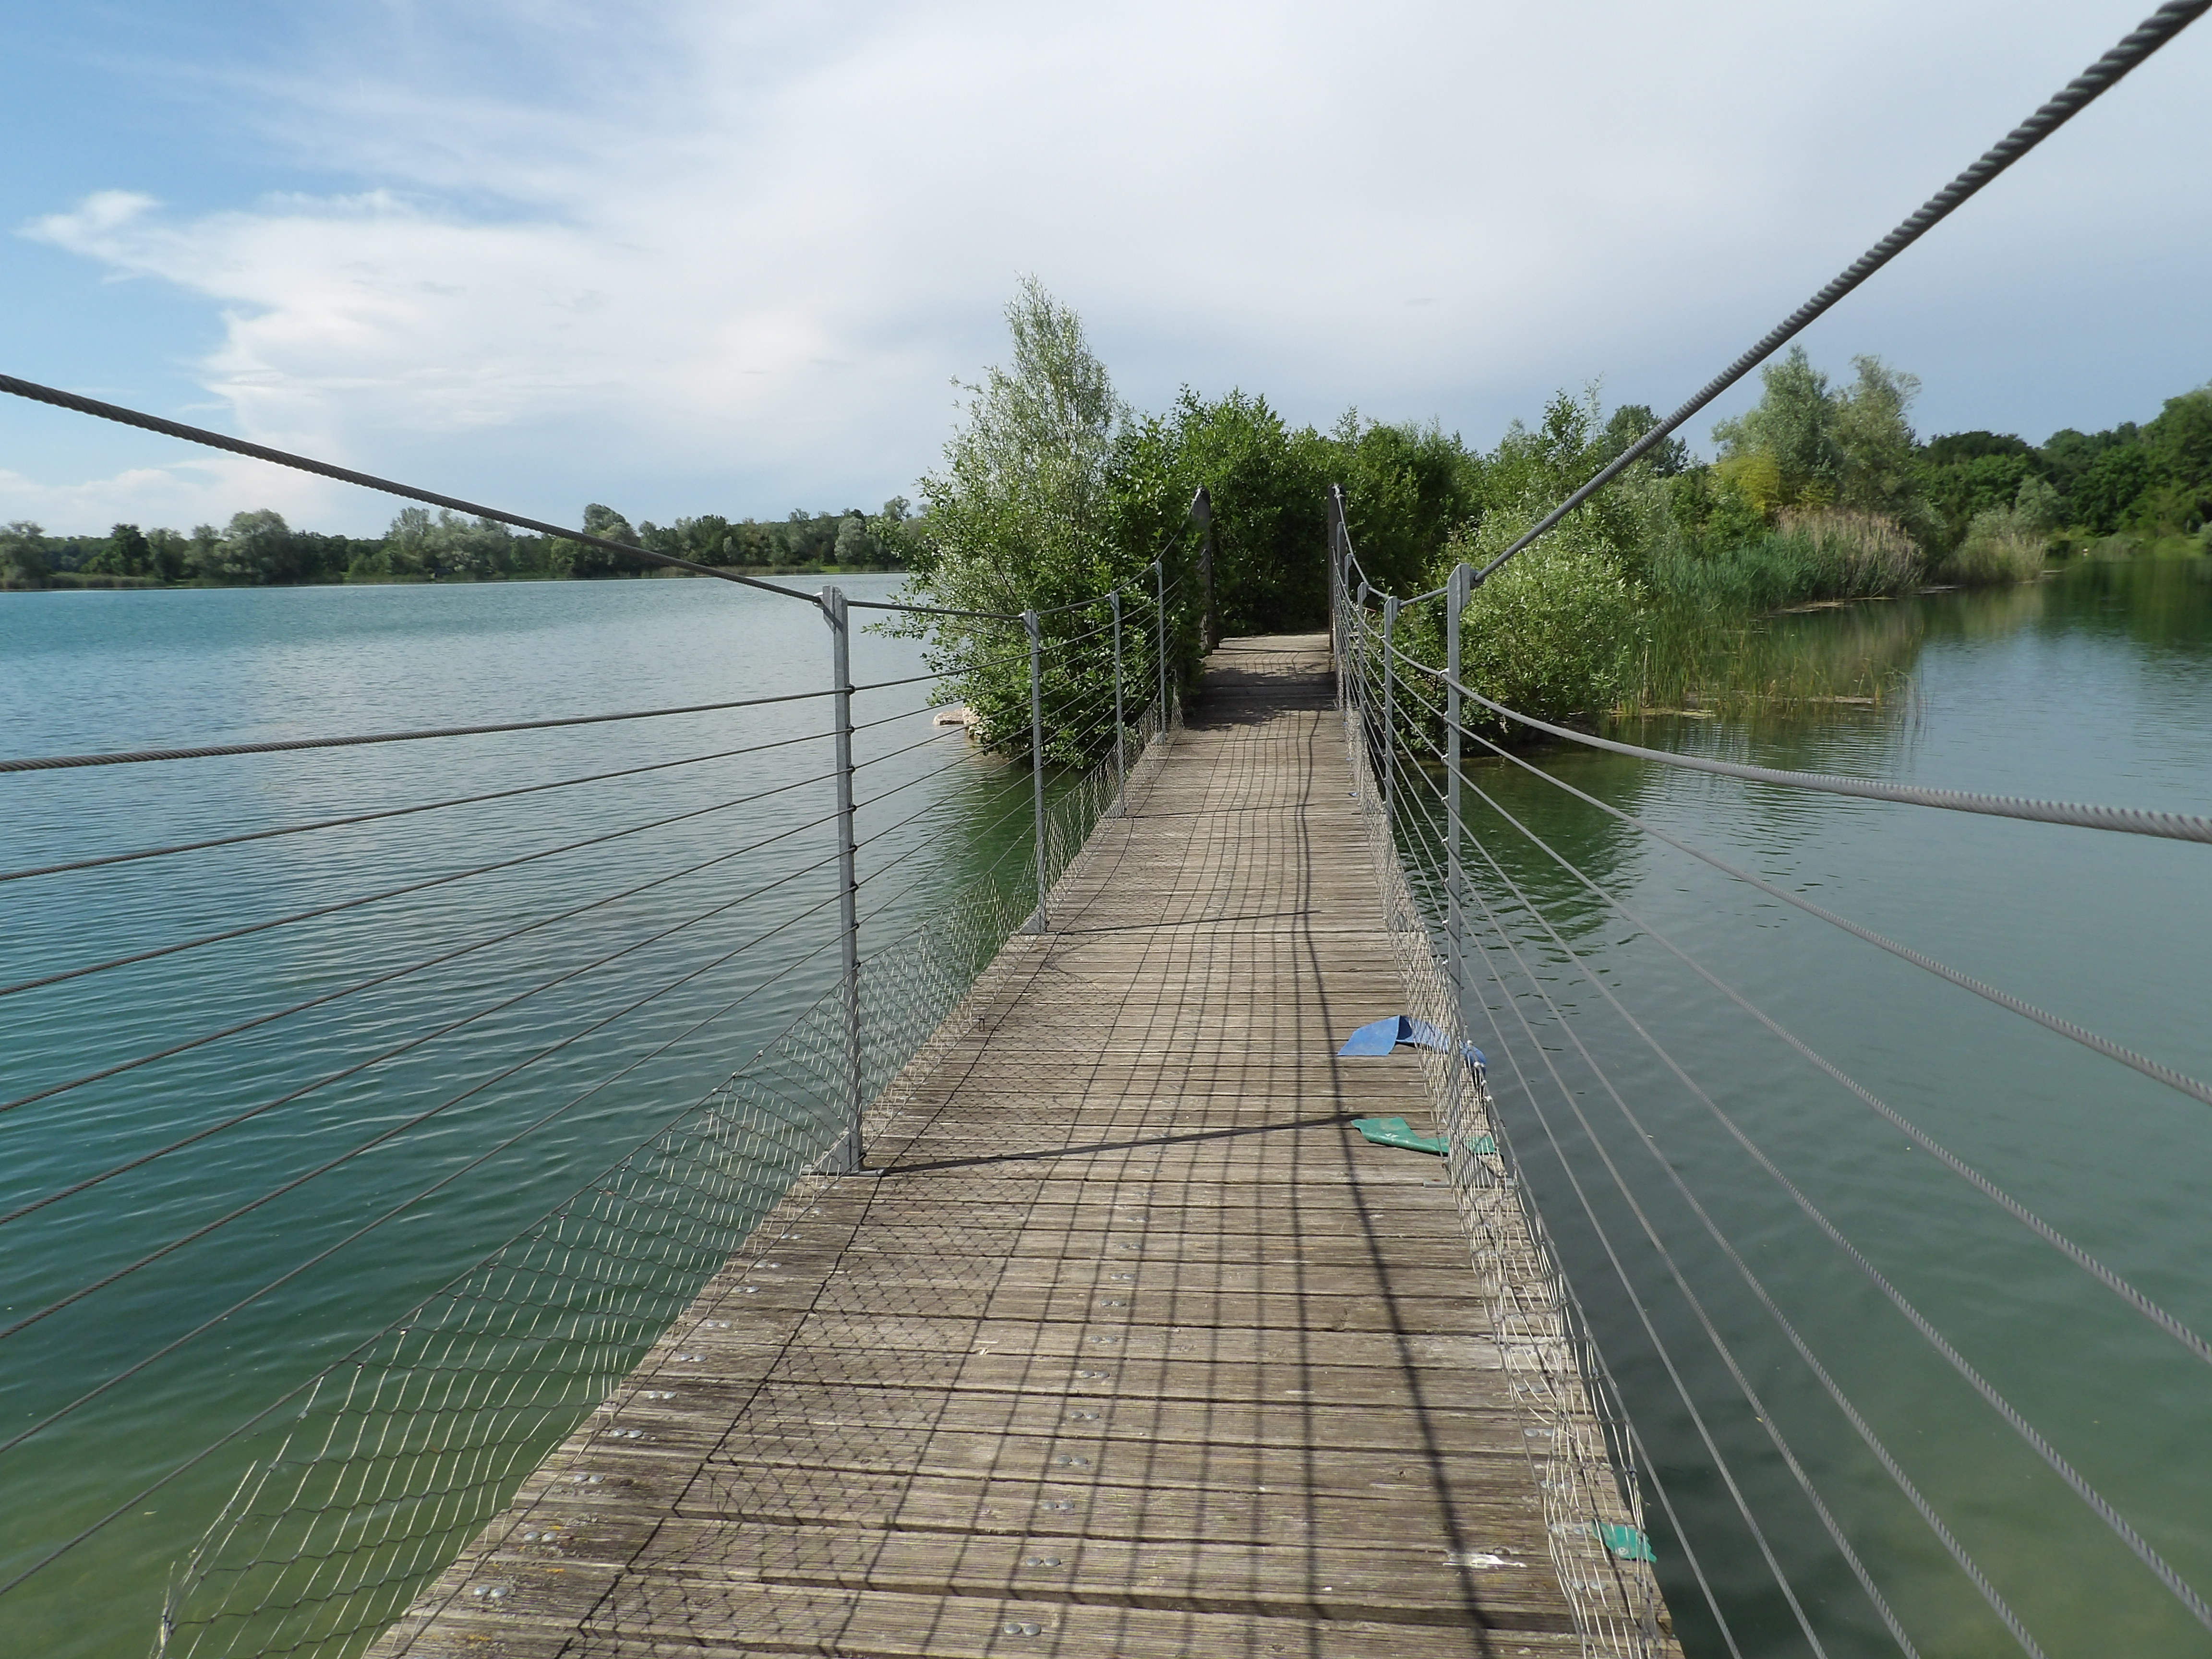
[254,548]
[1017,515]
[2110,485]
[165,554]
[125,555]
[1794,430]
[1878,473]
[23,554]
[1407,488]
[1668,459]
[569,558]
[854,546]
[1023,514]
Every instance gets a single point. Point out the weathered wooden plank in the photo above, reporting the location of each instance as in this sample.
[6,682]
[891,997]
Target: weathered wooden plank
[1132,1348]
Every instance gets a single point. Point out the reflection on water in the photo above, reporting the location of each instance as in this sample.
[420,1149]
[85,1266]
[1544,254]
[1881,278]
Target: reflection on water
[2094,685]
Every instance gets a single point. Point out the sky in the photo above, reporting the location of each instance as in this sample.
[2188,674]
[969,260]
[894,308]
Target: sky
[687,258]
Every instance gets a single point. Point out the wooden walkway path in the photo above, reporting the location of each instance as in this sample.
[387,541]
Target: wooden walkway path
[1135,1348]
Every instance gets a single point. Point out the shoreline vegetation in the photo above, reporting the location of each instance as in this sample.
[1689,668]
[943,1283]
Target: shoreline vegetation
[1681,588]
[260,550]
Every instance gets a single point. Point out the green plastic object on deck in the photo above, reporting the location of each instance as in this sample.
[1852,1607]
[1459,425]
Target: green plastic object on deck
[1624,1541]
[1396,1132]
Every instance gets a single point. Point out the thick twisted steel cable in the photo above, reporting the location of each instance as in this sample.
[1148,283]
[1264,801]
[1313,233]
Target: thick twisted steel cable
[2106,1276]
[1017,810]
[2117,1523]
[947,736]
[1843,1403]
[70,400]
[1021,656]
[929,610]
[105,859]
[1013,784]
[2181,1082]
[1911,1492]
[1003,783]
[893,719]
[2126,820]
[1644,1459]
[403,1125]
[297,916]
[1760,1413]
[369,1342]
[2146,38]
[1719,1460]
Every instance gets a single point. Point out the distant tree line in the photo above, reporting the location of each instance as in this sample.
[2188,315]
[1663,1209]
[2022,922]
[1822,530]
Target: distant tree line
[259,550]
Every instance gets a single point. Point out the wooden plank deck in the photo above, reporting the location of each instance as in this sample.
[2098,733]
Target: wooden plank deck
[1135,1348]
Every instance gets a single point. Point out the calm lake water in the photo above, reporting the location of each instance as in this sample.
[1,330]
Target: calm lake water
[446,1016]
[2095,685]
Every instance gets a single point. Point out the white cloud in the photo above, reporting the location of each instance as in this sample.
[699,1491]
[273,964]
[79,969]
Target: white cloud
[731,263]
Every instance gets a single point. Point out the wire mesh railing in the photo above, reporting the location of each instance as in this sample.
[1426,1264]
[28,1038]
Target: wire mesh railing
[438,1016]
[1693,1305]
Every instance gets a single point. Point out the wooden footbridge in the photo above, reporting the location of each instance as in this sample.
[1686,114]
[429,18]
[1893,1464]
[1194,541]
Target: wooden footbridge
[1130,1346]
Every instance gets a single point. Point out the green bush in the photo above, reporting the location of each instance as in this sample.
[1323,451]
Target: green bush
[1556,633]
[2001,545]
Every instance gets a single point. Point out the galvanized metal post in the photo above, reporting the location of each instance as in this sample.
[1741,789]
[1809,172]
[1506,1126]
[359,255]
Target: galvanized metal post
[1337,640]
[847,1156]
[1120,725]
[1160,605]
[1457,591]
[1390,714]
[1036,921]
[1201,514]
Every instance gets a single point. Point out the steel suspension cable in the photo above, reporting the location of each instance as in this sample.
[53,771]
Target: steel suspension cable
[491,1255]
[2110,1279]
[2117,1523]
[281,745]
[2154,32]
[106,858]
[2180,1081]
[1851,1414]
[291,1273]
[167,428]
[1643,1454]
[2106,1276]
[1720,1462]
[56,1196]
[259,1020]
[2126,820]
[251,928]
[403,1126]
[1760,1413]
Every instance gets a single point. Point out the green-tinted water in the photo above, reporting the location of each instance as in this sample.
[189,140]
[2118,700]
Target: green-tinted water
[2094,685]
[439,1019]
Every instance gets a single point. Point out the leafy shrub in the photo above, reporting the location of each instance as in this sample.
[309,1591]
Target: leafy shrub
[1555,633]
